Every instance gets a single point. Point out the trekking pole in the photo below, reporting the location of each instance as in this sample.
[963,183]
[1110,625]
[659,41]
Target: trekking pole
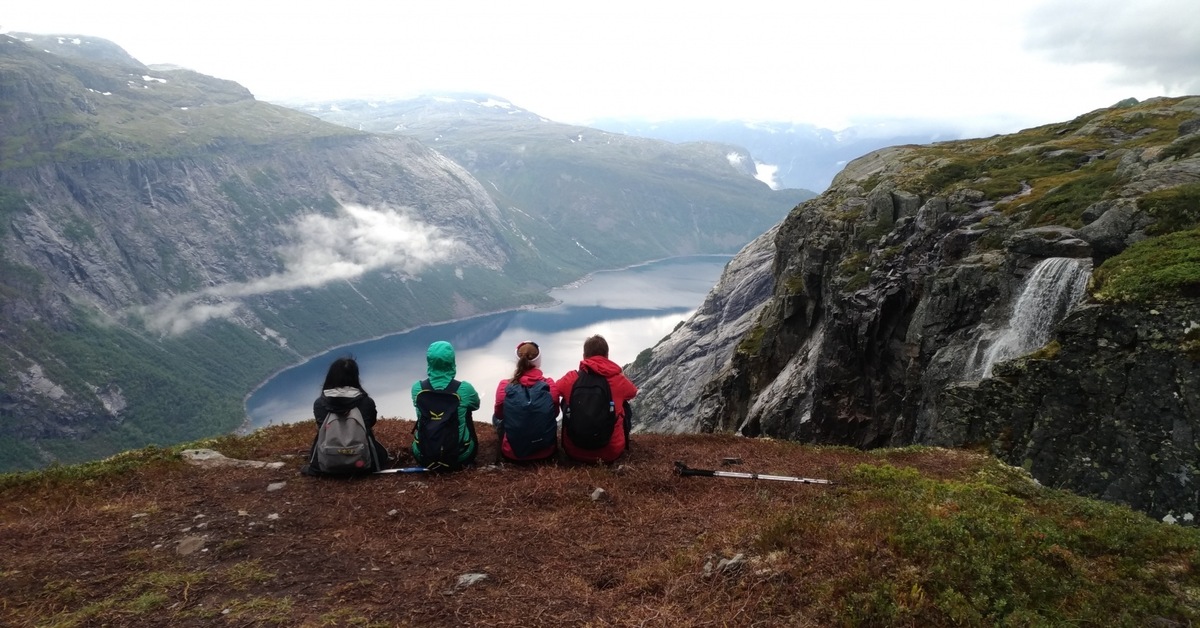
[683,469]
[404,470]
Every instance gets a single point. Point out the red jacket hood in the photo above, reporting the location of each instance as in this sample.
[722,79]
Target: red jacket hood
[531,377]
[600,365]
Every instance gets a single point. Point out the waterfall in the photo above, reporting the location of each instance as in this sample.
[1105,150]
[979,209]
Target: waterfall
[1052,288]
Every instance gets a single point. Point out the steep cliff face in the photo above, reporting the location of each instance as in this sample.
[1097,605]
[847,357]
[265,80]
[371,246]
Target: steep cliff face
[167,241]
[673,373]
[891,287]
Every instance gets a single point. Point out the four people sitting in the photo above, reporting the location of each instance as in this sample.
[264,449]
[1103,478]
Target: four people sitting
[594,401]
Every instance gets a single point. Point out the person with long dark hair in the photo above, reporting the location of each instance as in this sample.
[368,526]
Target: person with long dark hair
[526,410]
[345,414]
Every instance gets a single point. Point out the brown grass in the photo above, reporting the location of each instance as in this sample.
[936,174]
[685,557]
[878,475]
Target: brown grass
[103,551]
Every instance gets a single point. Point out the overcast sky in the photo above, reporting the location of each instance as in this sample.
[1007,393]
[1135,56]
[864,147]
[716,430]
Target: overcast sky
[996,66]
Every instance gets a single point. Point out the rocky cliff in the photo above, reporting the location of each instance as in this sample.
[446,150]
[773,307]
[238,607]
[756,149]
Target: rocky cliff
[167,241]
[892,288]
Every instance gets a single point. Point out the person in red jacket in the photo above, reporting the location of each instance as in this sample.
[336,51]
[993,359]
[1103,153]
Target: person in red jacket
[595,360]
[533,433]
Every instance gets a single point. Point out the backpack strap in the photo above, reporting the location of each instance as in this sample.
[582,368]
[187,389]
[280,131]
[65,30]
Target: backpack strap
[452,387]
[425,385]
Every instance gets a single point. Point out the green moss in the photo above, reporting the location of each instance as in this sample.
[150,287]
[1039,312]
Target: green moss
[940,179]
[76,230]
[643,358]
[858,280]
[1048,352]
[1065,203]
[1183,147]
[998,550]
[793,284]
[1165,268]
[752,341]
[1176,208]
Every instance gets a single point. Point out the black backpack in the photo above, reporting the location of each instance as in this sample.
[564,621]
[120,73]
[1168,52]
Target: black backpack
[344,444]
[529,418]
[590,416]
[436,438]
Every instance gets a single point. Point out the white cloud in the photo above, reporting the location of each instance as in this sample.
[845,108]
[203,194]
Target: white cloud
[321,249]
[766,174]
[1155,41]
[831,64]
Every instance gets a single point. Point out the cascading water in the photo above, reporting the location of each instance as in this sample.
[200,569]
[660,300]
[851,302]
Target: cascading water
[1052,288]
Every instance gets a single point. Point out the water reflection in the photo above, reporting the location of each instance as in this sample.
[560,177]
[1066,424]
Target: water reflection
[633,308]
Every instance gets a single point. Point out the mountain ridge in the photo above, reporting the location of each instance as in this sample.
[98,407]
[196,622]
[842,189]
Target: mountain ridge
[887,286]
[155,222]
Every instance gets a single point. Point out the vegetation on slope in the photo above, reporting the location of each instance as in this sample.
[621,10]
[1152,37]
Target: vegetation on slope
[1164,268]
[1051,175]
[904,537]
[116,110]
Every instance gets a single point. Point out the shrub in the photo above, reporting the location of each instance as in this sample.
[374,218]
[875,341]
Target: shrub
[1175,208]
[1164,268]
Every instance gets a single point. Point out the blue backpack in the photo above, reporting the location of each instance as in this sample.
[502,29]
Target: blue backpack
[529,418]
[437,443]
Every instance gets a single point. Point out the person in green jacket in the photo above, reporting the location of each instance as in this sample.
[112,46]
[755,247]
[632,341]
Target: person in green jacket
[444,437]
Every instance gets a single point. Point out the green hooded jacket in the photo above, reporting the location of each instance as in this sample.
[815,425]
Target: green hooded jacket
[440,368]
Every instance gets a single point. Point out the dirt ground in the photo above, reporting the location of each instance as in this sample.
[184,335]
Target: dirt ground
[170,544]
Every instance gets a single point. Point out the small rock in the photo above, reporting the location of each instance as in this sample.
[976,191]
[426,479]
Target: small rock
[273,516]
[464,581]
[732,565]
[599,495]
[275,486]
[274,465]
[201,526]
[139,515]
[393,512]
[243,513]
[201,516]
[189,545]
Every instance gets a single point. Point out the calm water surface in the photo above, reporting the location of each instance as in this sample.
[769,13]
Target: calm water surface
[632,308]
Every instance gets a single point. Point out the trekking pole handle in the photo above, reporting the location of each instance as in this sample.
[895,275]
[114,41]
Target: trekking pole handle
[683,469]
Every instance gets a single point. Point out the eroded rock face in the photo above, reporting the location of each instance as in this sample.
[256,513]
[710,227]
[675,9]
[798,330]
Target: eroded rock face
[672,379]
[889,285]
[1113,413]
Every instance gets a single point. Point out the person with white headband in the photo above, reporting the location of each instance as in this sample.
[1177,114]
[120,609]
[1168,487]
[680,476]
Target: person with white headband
[526,410]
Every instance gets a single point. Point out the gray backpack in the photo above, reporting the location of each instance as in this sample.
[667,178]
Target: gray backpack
[343,445]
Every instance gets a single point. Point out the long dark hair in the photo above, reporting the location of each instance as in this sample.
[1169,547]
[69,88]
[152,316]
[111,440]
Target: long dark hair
[343,372]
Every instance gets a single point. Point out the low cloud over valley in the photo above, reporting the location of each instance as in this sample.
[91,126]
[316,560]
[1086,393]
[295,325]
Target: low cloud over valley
[322,249]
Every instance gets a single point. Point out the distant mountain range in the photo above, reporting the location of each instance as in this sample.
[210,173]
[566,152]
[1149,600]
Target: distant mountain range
[794,155]
[167,241]
[576,178]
